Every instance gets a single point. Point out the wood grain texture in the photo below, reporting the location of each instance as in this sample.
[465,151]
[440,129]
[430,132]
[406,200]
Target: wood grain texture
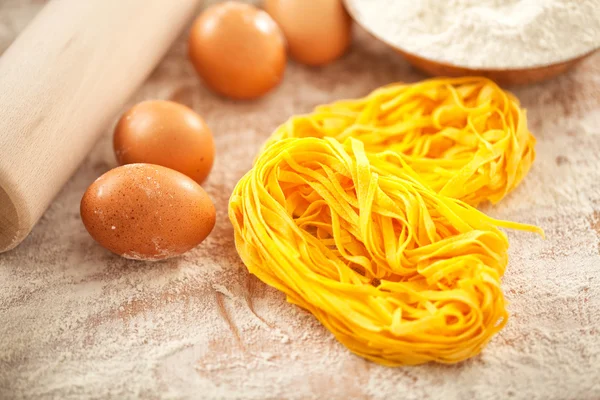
[77,322]
[61,81]
[523,76]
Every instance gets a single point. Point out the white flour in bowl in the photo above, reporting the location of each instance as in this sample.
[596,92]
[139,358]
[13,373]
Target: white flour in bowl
[494,34]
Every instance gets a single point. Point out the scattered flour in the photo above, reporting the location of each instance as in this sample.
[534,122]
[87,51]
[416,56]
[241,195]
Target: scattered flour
[77,322]
[485,33]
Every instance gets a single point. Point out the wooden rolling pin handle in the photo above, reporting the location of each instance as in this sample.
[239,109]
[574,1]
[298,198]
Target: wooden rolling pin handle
[61,81]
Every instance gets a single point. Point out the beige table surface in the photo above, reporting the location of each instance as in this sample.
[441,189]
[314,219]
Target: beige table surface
[78,322]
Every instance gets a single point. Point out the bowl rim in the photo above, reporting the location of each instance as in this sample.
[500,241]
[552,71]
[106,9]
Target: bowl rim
[350,9]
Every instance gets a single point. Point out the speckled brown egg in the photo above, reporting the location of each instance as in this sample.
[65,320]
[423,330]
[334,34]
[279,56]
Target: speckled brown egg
[168,134]
[147,212]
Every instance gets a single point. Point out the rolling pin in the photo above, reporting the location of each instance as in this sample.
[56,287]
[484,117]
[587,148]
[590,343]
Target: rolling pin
[61,81]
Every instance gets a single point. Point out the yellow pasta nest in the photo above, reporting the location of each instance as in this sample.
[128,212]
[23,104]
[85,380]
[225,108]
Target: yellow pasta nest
[398,273]
[359,213]
[466,137]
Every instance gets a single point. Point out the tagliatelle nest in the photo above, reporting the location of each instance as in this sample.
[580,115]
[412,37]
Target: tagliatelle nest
[466,137]
[352,232]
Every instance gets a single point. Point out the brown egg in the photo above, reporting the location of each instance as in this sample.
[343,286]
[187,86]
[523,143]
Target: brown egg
[317,31]
[238,50]
[168,134]
[147,212]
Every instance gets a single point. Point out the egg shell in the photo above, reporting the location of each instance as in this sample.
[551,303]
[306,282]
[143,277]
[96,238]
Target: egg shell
[168,134]
[237,50]
[147,212]
[317,31]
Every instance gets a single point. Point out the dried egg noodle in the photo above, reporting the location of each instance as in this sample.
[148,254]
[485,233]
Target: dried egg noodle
[466,137]
[350,231]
